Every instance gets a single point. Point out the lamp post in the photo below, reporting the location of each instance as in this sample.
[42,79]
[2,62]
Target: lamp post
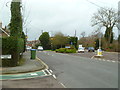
[99,51]
[100,35]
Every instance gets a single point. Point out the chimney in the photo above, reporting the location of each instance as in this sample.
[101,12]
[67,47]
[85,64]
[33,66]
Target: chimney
[1,24]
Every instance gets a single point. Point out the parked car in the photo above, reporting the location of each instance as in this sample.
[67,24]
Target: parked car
[40,48]
[91,49]
[81,49]
[28,48]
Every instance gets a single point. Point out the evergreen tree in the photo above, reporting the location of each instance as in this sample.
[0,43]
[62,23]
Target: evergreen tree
[73,41]
[45,40]
[16,19]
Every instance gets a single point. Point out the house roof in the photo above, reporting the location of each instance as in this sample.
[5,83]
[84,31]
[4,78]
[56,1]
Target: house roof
[4,32]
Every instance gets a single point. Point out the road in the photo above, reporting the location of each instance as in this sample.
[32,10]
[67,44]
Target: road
[81,72]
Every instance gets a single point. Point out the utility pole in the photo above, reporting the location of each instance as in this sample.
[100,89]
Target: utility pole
[26,32]
[100,36]
[42,31]
[75,33]
[75,40]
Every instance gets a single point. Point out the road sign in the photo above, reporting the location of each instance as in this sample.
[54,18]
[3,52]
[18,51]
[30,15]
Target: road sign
[5,56]
[67,46]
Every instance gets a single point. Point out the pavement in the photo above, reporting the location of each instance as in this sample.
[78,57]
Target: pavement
[74,71]
[45,82]
[34,74]
[30,65]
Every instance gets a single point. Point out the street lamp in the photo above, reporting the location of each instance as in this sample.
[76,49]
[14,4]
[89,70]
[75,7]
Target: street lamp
[100,36]
[99,51]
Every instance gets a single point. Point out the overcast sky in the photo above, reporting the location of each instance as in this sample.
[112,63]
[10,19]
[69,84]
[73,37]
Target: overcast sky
[53,16]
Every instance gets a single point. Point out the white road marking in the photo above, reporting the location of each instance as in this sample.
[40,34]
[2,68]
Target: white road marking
[108,60]
[51,71]
[48,72]
[113,61]
[92,57]
[99,59]
[63,85]
[52,55]
[104,60]
[61,54]
[54,76]
[44,72]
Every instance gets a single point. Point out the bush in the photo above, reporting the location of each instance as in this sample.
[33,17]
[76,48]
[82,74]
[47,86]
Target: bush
[71,51]
[12,46]
[66,50]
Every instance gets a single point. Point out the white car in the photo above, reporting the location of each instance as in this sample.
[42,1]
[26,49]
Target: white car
[81,49]
[28,48]
[40,48]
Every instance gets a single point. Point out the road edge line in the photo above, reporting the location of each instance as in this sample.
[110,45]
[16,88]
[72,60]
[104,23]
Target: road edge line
[63,85]
[43,63]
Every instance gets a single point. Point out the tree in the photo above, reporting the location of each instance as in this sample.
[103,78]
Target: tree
[45,40]
[106,17]
[73,41]
[16,19]
[59,40]
[119,39]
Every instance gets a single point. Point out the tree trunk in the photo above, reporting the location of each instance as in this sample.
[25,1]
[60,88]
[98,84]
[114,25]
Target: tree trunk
[109,34]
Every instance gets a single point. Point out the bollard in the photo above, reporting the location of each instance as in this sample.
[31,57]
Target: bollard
[99,52]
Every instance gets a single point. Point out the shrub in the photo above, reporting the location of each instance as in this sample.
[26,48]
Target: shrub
[71,51]
[66,50]
[57,50]
[62,50]
[12,46]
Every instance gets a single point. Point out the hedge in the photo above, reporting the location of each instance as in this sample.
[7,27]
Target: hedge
[66,50]
[12,46]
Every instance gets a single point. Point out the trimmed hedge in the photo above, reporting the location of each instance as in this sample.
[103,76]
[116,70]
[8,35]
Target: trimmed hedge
[66,50]
[12,46]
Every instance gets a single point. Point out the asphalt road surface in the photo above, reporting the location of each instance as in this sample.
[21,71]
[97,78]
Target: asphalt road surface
[81,72]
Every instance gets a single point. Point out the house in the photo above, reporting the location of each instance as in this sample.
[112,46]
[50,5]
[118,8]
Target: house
[3,31]
[32,43]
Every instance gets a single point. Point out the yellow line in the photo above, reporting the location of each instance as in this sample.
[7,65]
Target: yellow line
[43,63]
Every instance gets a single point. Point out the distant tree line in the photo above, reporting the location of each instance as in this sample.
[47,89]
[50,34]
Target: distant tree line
[105,17]
[59,40]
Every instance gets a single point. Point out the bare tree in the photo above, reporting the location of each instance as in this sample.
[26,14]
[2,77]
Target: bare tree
[106,17]
[59,39]
[25,15]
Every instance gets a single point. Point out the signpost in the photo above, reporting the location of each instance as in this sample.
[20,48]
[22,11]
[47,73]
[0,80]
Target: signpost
[99,51]
[67,46]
